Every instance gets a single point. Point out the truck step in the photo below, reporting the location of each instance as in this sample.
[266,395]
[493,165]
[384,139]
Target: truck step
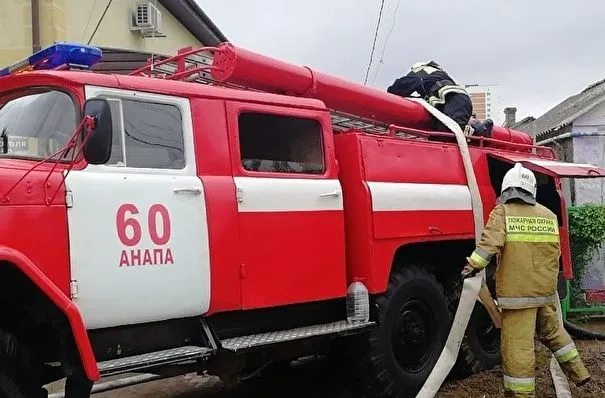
[256,340]
[144,361]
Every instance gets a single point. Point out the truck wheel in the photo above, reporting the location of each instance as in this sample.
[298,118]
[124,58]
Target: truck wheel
[19,373]
[413,325]
[480,347]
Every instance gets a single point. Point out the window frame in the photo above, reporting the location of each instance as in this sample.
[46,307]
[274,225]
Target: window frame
[187,129]
[122,134]
[11,95]
[120,102]
[319,116]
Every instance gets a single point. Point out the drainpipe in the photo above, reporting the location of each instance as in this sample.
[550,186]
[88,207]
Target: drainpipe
[572,135]
[35,4]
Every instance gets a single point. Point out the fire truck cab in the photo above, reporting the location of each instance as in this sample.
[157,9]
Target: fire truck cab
[163,226]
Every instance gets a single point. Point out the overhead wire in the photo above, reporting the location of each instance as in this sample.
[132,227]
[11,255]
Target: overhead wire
[92,10]
[100,20]
[386,41]
[365,81]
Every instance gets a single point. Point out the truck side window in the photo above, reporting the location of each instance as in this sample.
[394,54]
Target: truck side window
[150,135]
[280,144]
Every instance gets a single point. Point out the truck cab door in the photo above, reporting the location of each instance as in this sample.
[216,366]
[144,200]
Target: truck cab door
[290,205]
[556,170]
[137,225]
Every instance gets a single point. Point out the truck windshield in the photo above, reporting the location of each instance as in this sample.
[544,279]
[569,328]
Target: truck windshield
[36,123]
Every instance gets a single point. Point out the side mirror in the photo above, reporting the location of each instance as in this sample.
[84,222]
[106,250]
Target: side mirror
[97,148]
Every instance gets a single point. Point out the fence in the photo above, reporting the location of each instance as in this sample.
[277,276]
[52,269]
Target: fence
[586,291]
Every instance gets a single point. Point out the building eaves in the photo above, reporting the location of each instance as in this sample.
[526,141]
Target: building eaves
[568,110]
[121,61]
[195,20]
[521,124]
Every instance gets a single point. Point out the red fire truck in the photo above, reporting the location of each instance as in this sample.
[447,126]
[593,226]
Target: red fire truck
[155,224]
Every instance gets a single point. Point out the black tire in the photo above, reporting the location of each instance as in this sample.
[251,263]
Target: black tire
[8,389]
[20,374]
[480,348]
[413,323]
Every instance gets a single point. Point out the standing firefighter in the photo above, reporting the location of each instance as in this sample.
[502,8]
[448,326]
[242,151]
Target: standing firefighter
[431,82]
[524,237]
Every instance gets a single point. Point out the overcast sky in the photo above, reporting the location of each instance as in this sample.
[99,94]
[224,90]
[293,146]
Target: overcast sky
[537,52]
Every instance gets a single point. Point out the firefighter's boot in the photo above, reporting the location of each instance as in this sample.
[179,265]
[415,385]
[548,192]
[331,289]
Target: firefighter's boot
[481,128]
[518,356]
[556,338]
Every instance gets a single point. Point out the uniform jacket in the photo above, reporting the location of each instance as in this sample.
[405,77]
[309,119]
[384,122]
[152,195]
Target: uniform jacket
[431,83]
[524,239]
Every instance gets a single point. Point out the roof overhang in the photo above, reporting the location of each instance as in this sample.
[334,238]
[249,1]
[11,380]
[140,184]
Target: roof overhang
[570,119]
[195,20]
[121,61]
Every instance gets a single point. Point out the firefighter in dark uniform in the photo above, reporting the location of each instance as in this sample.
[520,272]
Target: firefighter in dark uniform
[433,84]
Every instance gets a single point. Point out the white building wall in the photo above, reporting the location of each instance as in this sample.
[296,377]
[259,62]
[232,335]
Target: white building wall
[114,30]
[76,20]
[591,150]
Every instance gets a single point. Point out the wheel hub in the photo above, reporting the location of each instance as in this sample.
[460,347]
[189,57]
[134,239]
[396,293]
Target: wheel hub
[413,337]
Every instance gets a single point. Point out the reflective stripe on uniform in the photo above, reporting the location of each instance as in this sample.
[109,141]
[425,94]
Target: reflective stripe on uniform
[567,353]
[531,229]
[532,238]
[519,384]
[526,301]
[439,98]
[480,258]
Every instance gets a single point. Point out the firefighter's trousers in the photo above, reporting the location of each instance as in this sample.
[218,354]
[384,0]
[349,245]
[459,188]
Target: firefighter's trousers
[519,327]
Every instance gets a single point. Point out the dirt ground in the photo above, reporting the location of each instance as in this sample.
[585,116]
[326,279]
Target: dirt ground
[489,384]
[314,379]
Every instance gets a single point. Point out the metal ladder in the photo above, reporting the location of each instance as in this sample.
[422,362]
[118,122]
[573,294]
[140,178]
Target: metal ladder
[194,65]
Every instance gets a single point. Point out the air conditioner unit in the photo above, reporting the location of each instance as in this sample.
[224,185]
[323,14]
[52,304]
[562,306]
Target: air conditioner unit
[147,20]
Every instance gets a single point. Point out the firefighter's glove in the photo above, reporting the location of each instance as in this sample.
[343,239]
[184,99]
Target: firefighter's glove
[468,271]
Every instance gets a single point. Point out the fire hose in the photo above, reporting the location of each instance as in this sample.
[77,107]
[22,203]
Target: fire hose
[473,285]
[581,333]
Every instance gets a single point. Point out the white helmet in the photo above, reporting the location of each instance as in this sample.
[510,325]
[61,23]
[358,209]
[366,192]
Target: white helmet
[424,64]
[520,177]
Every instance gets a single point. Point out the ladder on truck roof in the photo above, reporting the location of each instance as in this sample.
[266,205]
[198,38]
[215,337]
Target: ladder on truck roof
[194,65]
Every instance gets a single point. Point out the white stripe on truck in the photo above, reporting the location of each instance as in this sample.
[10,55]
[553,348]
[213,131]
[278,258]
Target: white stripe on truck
[393,196]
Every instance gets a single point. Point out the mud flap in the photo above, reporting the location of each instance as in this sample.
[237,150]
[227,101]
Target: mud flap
[471,286]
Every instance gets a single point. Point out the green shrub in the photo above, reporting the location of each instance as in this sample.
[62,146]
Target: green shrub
[586,235]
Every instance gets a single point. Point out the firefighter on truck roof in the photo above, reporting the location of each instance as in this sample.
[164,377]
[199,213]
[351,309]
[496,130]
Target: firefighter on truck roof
[523,235]
[431,82]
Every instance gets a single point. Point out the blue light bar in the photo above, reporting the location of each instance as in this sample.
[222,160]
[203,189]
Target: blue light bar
[56,56]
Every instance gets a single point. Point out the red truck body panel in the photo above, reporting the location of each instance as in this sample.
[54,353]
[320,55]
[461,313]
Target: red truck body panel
[373,236]
[293,247]
[214,169]
[395,191]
